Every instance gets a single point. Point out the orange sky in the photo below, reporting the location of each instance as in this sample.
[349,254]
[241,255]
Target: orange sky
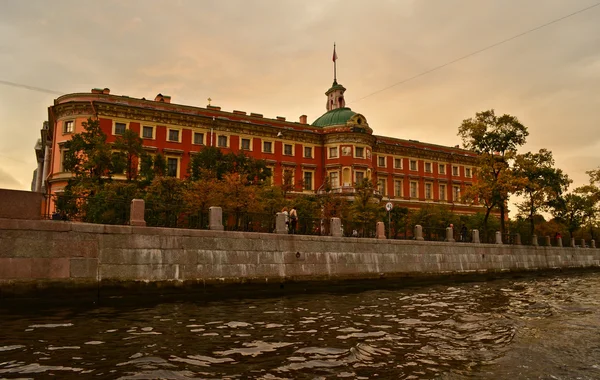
[274,58]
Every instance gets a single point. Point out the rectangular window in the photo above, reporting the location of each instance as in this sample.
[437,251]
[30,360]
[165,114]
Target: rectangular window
[147,132]
[62,159]
[307,180]
[287,149]
[428,191]
[398,188]
[442,168]
[120,128]
[456,193]
[442,192]
[172,165]
[360,176]
[359,152]
[455,171]
[68,126]
[397,163]
[381,186]
[468,173]
[428,167]
[333,152]
[267,147]
[174,135]
[413,165]
[381,161]
[222,141]
[414,189]
[198,138]
[334,179]
[245,144]
[307,152]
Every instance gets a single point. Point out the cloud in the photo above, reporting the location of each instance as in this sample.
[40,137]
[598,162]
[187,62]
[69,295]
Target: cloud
[7,181]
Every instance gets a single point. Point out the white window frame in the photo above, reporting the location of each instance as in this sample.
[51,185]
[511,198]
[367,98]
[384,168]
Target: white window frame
[283,149]
[364,175]
[272,146]
[312,180]
[114,126]
[226,141]
[167,158]
[250,143]
[398,185]
[442,168]
[382,186]
[153,132]
[457,171]
[194,138]
[468,172]
[400,160]
[429,185]
[356,155]
[304,151]
[335,149]
[456,194]
[443,192]
[410,188]
[410,166]
[179,134]
[337,178]
[430,167]
[68,127]
[379,159]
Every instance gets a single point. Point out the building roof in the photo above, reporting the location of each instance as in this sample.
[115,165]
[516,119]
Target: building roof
[338,116]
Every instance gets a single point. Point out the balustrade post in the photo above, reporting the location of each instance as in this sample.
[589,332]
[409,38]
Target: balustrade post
[280,226]
[534,240]
[517,239]
[380,230]
[336,227]
[418,232]
[547,241]
[559,241]
[573,243]
[582,243]
[215,218]
[450,235]
[592,243]
[475,234]
[136,214]
[498,237]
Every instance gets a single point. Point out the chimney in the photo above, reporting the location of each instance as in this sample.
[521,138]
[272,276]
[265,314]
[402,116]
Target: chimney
[216,108]
[303,119]
[106,91]
[280,118]
[97,91]
[256,114]
[239,112]
[162,98]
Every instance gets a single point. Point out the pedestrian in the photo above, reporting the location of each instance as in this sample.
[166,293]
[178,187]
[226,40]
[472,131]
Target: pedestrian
[463,233]
[293,220]
[287,218]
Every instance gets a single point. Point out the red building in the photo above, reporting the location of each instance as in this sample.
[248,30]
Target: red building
[339,144]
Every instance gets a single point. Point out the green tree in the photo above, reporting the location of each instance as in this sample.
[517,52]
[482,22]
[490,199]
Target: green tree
[539,182]
[130,148]
[365,209]
[570,210]
[88,155]
[496,140]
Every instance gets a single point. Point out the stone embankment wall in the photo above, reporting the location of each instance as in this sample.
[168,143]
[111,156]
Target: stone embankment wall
[37,255]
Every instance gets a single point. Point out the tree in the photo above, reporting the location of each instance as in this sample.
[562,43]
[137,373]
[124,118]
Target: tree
[365,209]
[570,210]
[130,147]
[496,140]
[287,182]
[88,155]
[539,182]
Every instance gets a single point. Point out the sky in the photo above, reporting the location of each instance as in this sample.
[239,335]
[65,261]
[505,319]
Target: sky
[275,58]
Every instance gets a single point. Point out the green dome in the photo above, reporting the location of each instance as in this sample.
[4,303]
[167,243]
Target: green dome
[338,116]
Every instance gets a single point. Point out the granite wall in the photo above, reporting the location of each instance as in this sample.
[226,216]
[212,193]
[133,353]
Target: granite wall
[37,255]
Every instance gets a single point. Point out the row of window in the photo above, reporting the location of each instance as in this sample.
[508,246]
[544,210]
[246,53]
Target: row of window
[414,190]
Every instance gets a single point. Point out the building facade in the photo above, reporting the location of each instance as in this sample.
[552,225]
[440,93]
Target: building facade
[339,145]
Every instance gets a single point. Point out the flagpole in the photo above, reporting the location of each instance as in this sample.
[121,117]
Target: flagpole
[334,64]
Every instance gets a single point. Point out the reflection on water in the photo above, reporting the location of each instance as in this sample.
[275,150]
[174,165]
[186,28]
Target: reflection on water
[532,328]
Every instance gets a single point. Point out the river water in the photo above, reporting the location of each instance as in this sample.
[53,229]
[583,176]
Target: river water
[543,327]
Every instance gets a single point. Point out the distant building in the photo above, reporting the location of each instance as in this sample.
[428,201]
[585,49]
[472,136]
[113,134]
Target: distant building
[339,145]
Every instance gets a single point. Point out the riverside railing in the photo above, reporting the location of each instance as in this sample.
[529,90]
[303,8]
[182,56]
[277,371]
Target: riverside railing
[111,210]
